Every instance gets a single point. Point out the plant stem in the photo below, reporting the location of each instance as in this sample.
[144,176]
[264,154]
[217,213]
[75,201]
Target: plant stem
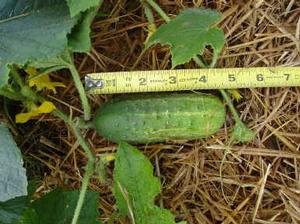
[223,92]
[149,14]
[199,62]
[11,94]
[81,91]
[89,167]
[76,132]
[29,94]
[156,7]
[16,76]
[85,183]
[230,105]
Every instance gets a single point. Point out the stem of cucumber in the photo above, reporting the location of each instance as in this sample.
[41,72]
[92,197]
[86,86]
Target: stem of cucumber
[11,94]
[30,94]
[156,7]
[80,89]
[149,14]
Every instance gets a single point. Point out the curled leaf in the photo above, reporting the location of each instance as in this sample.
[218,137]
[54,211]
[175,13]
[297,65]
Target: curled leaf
[42,81]
[46,107]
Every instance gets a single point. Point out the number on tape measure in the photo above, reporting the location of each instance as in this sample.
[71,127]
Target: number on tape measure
[172,79]
[231,78]
[143,81]
[260,77]
[203,79]
[191,79]
[287,76]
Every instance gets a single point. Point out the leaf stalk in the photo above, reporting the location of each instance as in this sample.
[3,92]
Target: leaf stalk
[156,7]
[81,91]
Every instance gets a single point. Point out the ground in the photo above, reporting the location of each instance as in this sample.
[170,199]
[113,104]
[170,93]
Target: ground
[205,181]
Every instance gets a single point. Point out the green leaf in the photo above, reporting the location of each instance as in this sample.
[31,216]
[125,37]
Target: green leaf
[58,207]
[29,217]
[64,60]
[4,72]
[189,33]
[11,210]
[241,133]
[13,180]
[33,29]
[79,40]
[77,6]
[135,187]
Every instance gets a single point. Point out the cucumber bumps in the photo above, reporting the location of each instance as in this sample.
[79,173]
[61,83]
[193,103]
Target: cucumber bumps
[159,117]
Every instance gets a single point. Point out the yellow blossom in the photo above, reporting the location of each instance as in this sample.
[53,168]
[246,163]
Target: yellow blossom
[46,107]
[236,94]
[108,158]
[42,81]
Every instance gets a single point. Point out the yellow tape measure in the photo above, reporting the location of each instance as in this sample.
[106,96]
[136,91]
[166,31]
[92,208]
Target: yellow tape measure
[191,79]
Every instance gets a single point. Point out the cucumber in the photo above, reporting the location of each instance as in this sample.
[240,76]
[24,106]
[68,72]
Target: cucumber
[154,118]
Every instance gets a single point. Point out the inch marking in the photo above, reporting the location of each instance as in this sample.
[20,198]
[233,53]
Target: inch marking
[191,79]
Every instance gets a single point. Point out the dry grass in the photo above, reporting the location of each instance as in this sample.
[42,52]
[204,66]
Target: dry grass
[206,181]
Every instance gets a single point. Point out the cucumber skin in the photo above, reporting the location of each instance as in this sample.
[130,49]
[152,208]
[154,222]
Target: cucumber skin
[159,117]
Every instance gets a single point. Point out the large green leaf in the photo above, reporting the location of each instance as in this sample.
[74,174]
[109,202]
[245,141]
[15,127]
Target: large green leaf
[189,33]
[3,74]
[58,207]
[135,187]
[33,29]
[77,6]
[29,217]
[11,210]
[79,40]
[13,180]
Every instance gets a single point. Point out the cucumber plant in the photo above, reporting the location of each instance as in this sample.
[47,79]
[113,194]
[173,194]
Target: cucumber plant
[44,34]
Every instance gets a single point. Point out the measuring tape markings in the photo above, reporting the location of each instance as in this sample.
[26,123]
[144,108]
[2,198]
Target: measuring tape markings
[191,79]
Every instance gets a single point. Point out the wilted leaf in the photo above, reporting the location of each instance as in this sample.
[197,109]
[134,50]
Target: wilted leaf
[135,187]
[13,180]
[189,33]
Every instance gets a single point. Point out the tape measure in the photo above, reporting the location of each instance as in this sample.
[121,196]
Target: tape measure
[191,79]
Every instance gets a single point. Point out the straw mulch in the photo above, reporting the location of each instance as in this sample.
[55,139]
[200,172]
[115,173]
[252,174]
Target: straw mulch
[205,181]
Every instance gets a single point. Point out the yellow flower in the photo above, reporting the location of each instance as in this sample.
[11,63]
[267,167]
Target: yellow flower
[41,81]
[108,158]
[46,107]
[236,94]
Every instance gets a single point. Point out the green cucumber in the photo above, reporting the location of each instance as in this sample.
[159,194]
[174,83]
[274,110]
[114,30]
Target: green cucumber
[159,117]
